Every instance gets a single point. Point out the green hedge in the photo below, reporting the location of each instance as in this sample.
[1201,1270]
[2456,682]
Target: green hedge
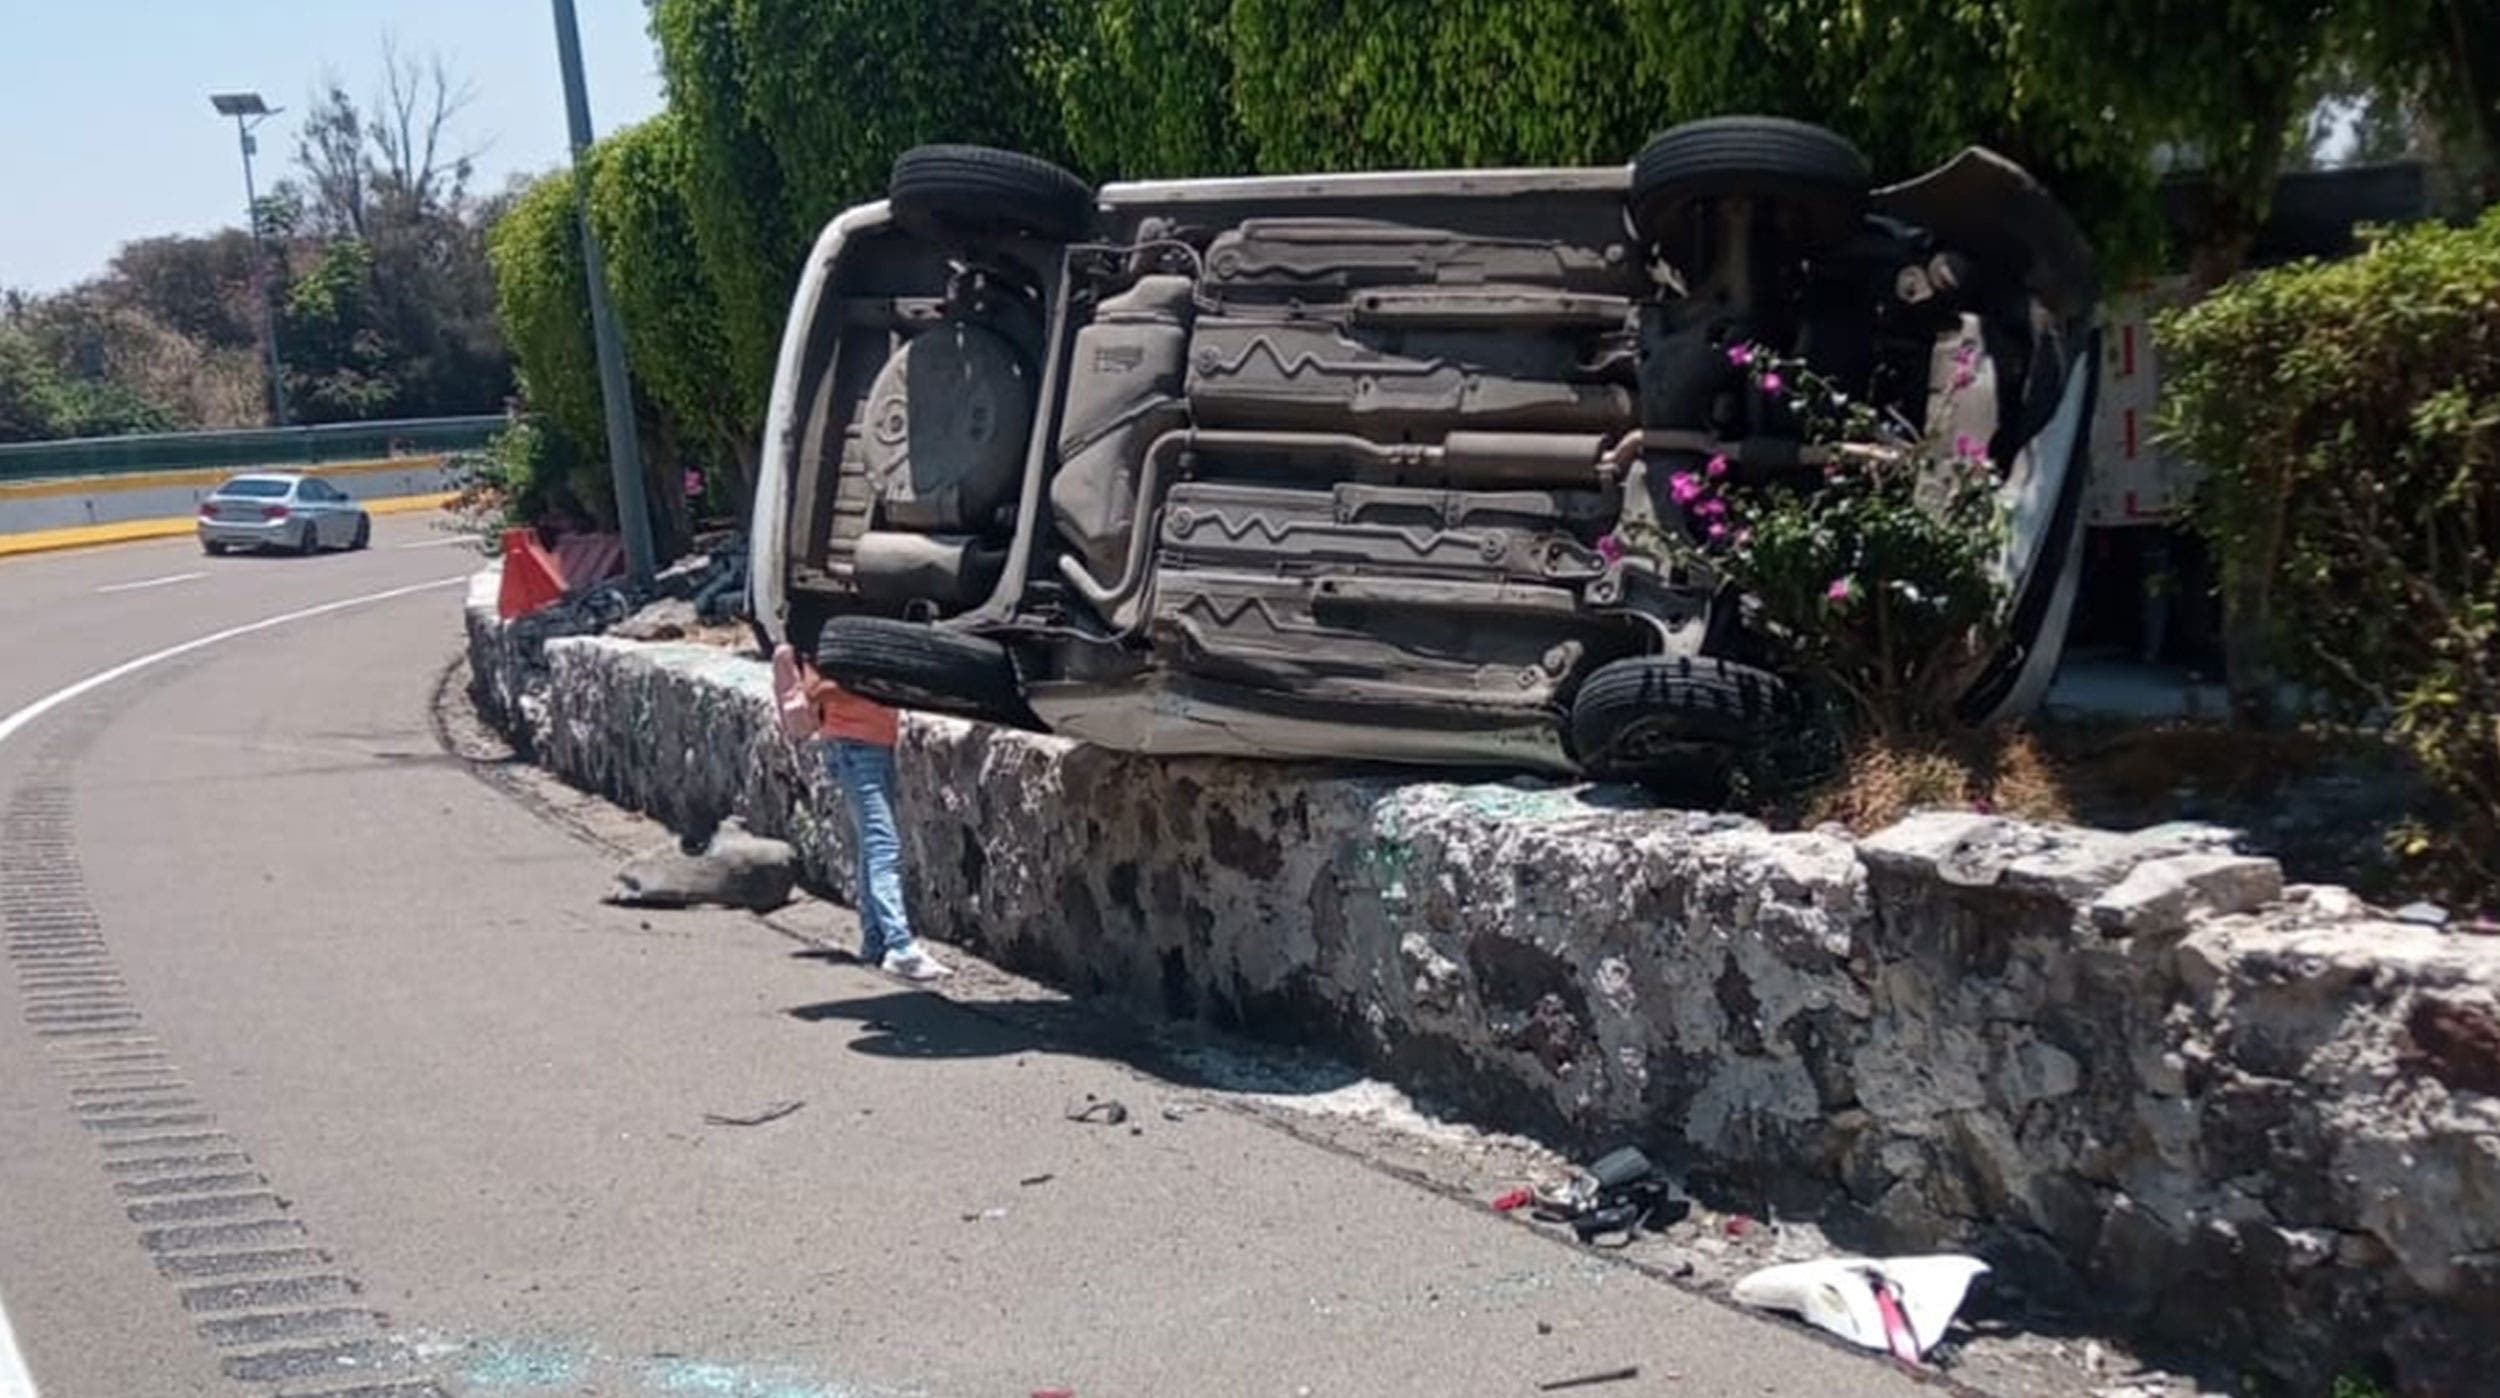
[542,298]
[2349,416]
[747,244]
[675,337]
[1327,85]
[1145,90]
[783,112]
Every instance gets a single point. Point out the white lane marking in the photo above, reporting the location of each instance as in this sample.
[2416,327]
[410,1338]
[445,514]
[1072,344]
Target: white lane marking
[10,725]
[15,1382]
[167,581]
[437,543]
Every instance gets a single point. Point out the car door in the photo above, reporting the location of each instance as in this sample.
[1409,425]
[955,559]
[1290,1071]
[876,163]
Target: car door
[317,499]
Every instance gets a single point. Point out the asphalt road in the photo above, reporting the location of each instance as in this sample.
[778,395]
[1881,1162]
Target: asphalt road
[328,1073]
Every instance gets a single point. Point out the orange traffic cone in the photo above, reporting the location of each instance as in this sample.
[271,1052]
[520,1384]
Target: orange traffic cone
[531,578]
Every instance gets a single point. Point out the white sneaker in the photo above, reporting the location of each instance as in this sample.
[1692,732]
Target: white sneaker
[915,965]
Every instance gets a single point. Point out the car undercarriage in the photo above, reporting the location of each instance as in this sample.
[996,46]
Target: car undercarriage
[1326,466]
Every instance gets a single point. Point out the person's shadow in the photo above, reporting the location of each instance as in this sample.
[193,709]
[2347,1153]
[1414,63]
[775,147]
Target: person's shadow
[905,1023]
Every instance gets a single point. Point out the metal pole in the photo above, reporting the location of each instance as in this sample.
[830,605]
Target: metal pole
[260,278]
[633,504]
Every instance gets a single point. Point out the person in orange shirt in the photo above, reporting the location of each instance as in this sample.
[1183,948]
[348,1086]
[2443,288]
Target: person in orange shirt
[858,736]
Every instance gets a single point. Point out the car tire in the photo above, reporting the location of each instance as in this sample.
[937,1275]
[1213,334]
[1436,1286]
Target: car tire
[912,666]
[212,548]
[1813,177]
[1693,726]
[955,193]
[310,543]
[364,533]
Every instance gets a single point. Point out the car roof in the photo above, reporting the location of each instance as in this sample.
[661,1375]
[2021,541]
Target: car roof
[290,477]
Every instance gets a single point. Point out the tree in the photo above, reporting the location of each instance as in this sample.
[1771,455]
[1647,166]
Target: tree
[397,165]
[117,368]
[330,151]
[200,288]
[423,339]
[33,398]
[2438,61]
[415,173]
[338,370]
[1910,83]
[2222,82]
[43,395]
[1145,88]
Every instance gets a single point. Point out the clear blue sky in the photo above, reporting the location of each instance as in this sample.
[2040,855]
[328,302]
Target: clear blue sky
[106,133]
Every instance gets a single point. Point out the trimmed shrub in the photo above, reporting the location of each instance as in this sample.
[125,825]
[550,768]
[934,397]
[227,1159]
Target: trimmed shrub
[2348,416]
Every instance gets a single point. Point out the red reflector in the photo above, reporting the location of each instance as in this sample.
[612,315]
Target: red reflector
[273,512]
[207,510]
[2127,371]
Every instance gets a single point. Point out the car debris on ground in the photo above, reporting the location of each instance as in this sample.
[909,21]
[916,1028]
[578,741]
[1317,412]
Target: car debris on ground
[1899,1304]
[1608,1202]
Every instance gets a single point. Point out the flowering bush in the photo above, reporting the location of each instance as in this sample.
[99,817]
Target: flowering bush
[1875,577]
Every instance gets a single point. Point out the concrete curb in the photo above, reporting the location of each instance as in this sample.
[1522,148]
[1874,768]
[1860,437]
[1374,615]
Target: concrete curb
[2133,1071]
[129,531]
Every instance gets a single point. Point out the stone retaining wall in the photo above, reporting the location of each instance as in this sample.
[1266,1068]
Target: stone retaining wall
[2133,1070]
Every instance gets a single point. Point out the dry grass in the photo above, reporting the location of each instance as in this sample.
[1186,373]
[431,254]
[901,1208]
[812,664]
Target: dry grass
[2121,776]
[2145,768]
[2004,773]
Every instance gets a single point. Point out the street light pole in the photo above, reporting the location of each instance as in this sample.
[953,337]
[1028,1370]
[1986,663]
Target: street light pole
[248,111]
[633,502]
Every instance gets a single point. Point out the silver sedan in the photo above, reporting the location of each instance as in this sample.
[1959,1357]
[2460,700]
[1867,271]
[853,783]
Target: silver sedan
[282,510]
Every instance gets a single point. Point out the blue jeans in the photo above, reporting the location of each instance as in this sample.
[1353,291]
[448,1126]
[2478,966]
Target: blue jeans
[866,773]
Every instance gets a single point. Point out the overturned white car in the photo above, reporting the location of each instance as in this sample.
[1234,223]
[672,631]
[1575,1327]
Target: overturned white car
[1320,466]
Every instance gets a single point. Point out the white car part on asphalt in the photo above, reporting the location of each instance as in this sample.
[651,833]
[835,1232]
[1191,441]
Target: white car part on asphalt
[1900,1304]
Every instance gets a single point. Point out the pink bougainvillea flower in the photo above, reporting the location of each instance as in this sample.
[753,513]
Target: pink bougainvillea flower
[1717,467]
[1718,531]
[1743,537]
[1773,383]
[1609,547]
[1965,354]
[1965,376]
[1710,509]
[1740,355]
[1838,591]
[1969,448]
[1685,487]
[694,484]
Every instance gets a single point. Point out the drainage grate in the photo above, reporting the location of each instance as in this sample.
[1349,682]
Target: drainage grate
[242,1265]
